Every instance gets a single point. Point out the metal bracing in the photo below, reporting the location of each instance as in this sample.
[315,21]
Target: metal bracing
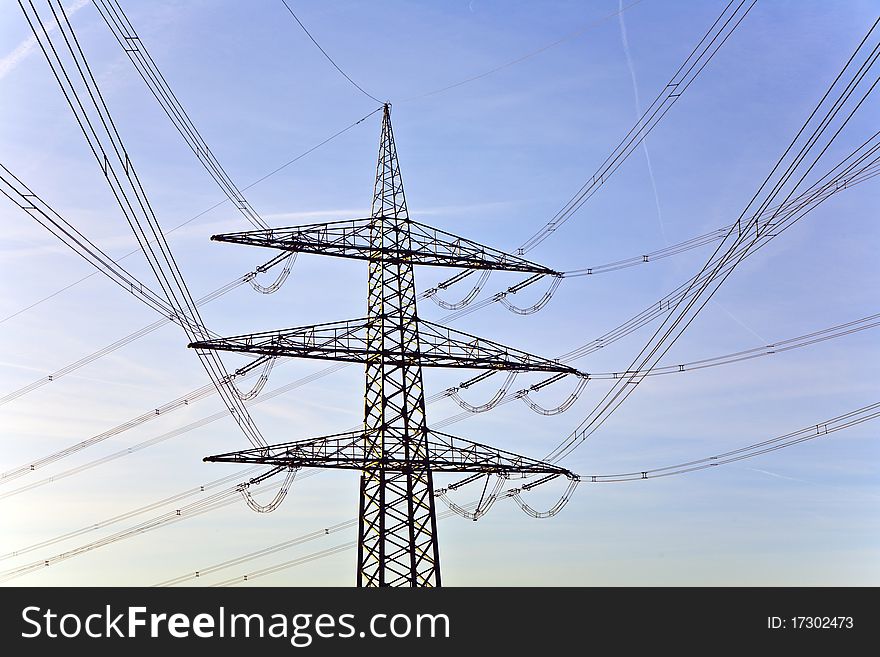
[395,452]
[346,451]
[352,239]
[398,540]
[439,346]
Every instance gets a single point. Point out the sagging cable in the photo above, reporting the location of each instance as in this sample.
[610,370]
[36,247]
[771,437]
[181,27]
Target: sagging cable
[583,379]
[489,405]
[288,260]
[485,503]
[538,305]
[276,501]
[468,298]
[268,362]
[573,481]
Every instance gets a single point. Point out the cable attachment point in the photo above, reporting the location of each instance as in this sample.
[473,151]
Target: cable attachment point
[573,481]
[468,298]
[561,408]
[502,297]
[267,362]
[279,496]
[489,405]
[483,505]
[287,258]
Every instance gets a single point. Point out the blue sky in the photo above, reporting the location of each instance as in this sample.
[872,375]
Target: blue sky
[493,160]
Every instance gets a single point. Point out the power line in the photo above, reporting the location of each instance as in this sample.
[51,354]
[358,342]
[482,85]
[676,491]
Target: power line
[782,346]
[272,549]
[270,570]
[811,432]
[850,419]
[114,16]
[465,273]
[859,166]
[111,155]
[855,168]
[655,310]
[200,214]
[20,194]
[703,53]
[736,253]
[212,502]
[168,317]
[739,243]
[464,308]
[177,497]
[329,58]
[794,210]
[150,415]
[227,496]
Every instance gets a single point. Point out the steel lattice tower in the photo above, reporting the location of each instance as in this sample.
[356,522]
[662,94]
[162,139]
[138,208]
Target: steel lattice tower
[397,523]
[395,452]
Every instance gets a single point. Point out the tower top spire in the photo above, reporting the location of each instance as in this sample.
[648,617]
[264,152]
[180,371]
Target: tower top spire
[388,197]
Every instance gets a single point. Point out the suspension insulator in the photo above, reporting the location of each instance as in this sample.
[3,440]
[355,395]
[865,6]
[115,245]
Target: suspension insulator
[258,386]
[537,306]
[282,277]
[483,505]
[573,482]
[468,298]
[561,408]
[276,501]
[492,403]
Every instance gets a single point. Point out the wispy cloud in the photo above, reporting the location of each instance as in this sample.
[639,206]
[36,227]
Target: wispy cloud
[11,61]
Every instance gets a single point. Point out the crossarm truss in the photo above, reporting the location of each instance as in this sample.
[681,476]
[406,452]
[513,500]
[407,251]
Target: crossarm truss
[351,239]
[445,453]
[347,341]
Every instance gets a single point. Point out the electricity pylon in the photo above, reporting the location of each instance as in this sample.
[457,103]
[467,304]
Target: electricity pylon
[395,451]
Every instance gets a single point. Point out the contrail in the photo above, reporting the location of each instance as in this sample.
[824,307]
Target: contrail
[632,73]
[779,476]
[821,484]
[11,61]
[739,321]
